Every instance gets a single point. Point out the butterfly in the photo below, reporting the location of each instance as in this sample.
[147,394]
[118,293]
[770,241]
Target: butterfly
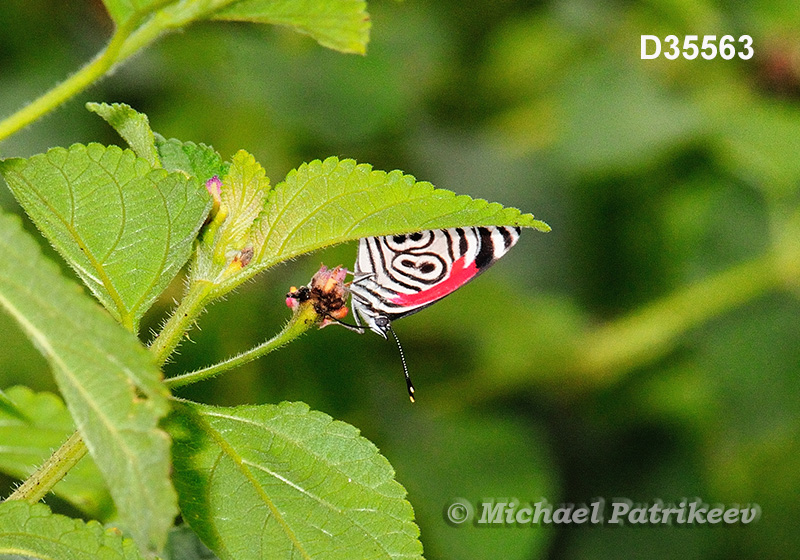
[398,275]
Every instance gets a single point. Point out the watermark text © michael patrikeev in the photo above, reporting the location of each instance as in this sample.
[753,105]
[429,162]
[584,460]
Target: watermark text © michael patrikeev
[691,512]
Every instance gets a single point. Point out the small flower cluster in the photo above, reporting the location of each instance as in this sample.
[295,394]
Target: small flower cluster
[327,292]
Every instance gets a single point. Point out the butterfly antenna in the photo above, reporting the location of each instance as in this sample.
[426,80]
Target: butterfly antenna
[405,369]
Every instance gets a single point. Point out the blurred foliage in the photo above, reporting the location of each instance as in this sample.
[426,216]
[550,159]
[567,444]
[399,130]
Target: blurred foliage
[658,177]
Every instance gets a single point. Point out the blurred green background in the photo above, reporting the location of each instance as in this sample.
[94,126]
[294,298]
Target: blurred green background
[647,348]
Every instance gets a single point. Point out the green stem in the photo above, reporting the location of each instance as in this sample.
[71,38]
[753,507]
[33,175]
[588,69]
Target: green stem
[178,324]
[67,456]
[42,481]
[606,353]
[648,334]
[36,486]
[300,322]
[127,40]
[70,87]
[170,18]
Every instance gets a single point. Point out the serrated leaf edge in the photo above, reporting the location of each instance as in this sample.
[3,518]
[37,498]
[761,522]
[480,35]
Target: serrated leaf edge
[297,409]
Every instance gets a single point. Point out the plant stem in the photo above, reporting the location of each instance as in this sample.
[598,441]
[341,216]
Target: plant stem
[65,457]
[300,322]
[606,353]
[123,44]
[178,324]
[128,39]
[37,485]
[647,334]
[70,87]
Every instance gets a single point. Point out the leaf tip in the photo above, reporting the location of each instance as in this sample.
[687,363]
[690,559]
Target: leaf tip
[11,165]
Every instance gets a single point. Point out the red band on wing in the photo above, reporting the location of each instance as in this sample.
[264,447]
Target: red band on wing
[459,275]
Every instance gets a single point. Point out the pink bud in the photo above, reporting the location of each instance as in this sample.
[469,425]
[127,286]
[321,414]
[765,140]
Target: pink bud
[214,187]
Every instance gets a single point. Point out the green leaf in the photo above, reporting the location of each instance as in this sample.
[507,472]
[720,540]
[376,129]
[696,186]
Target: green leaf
[9,409]
[342,25]
[27,442]
[243,193]
[281,481]
[33,531]
[107,378]
[123,10]
[338,24]
[196,160]
[324,203]
[125,228]
[134,127]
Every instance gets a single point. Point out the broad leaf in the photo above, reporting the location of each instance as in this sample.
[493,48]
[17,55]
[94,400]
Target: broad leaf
[325,203]
[338,24]
[281,481]
[8,408]
[333,201]
[26,442]
[107,378]
[196,160]
[33,531]
[126,228]
[134,127]
[122,11]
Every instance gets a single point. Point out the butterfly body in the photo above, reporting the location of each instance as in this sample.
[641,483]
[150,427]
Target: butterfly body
[399,275]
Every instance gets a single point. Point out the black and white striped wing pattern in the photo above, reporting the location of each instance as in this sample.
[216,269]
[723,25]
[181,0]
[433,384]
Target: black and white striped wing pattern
[400,274]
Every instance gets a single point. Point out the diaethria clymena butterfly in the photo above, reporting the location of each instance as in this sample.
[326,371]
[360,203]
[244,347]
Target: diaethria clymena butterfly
[398,275]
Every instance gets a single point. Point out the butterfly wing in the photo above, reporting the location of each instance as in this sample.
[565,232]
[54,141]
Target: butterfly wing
[399,275]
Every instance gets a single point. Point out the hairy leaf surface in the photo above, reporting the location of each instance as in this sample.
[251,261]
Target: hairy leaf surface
[243,193]
[197,160]
[134,127]
[33,531]
[342,25]
[332,201]
[107,378]
[126,228]
[27,441]
[282,481]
